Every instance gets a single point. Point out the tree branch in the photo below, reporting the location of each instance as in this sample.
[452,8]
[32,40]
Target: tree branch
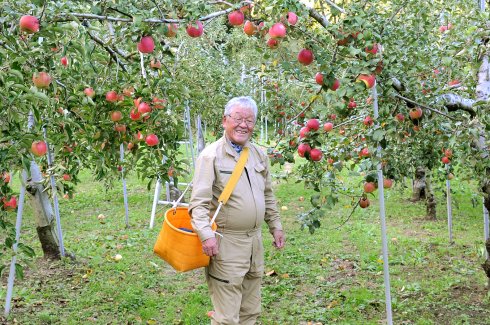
[322,20]
[455,102]
[424,106]
[332,4]
[72,15]
[112,53]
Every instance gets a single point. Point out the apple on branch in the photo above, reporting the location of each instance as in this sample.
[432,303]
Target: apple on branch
[89,92]
[41,80]
[170,30]
[39,148]
[195,30]
[29,24]
[368,80]
[151,140]
[305,57]
[146,44]
[278,30]
[236,18]
[292,18]
[249,28]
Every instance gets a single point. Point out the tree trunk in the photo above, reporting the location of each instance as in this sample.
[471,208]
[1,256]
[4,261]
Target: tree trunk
[486,265]
[43,213]
[418,188]
[430,200]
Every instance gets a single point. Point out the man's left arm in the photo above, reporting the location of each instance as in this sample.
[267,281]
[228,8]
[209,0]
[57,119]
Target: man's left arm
[272,216]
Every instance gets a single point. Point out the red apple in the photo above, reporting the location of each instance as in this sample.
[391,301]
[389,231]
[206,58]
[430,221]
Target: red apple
[146,44]
[41,79]
[333,116]
[155,64]
[292,18]
[368,121]
[352,103]
[387,183]
[144,108]
[373,49]
[111,96]
[369,187]
[278,30]
[158,103]
[236,18]
[272,43]
[29,24]
[64,61]
[364,202]
[400,117]
[66,177]
[246,9]
[335,85]
[151,140]
[369,80]
[249,28]
[89,92]
[319,78]
[39,148]
[364,152]
[303,133]
[316,154]
[379,67]
[445,160]
[305,57]
[116,116]
[11,204]
[327,127]
[134,114]
[121,128]
[313,124]
[195,30]
[6,177]
[454,83]
[170,30]
[448,153]
[139,137]
[303,148]
[415,113]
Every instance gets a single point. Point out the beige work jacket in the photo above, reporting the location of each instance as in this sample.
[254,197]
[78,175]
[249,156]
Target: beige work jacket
[252,200]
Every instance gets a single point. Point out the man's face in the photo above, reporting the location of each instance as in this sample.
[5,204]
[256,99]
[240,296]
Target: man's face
[239,124]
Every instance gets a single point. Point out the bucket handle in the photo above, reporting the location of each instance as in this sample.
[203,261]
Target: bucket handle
[214,218]
[176,203]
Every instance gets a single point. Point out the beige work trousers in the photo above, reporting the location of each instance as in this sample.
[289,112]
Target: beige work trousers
[234,278]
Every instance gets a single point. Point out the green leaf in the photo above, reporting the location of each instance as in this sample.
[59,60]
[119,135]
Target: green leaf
[378,135]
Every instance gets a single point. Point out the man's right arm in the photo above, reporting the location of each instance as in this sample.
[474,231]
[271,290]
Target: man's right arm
[202,194]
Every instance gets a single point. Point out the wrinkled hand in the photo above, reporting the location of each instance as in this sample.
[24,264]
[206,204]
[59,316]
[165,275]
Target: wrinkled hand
[210,247]
[279,239]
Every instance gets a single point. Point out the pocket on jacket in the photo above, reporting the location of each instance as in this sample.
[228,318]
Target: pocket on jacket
[260,175]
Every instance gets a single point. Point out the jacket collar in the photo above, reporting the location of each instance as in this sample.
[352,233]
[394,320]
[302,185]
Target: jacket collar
[229,148]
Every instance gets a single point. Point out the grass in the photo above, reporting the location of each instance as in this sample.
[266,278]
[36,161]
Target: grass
[330,277]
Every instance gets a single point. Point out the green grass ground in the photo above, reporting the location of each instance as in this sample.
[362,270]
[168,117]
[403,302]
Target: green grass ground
[330,277]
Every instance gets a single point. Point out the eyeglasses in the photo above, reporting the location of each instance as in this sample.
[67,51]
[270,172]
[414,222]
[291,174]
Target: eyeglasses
[240,120]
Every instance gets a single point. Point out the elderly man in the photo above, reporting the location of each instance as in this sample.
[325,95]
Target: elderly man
[237,258]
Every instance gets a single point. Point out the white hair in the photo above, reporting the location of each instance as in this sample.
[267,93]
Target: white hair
[243,101]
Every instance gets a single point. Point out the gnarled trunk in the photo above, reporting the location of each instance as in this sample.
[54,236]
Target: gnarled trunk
[486,265]
[419,184]
[43,213]
[430,200]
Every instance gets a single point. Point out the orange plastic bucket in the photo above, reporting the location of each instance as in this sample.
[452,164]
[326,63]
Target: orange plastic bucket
[177,244]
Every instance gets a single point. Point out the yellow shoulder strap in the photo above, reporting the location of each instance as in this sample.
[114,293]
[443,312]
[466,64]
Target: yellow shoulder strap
[235,176]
